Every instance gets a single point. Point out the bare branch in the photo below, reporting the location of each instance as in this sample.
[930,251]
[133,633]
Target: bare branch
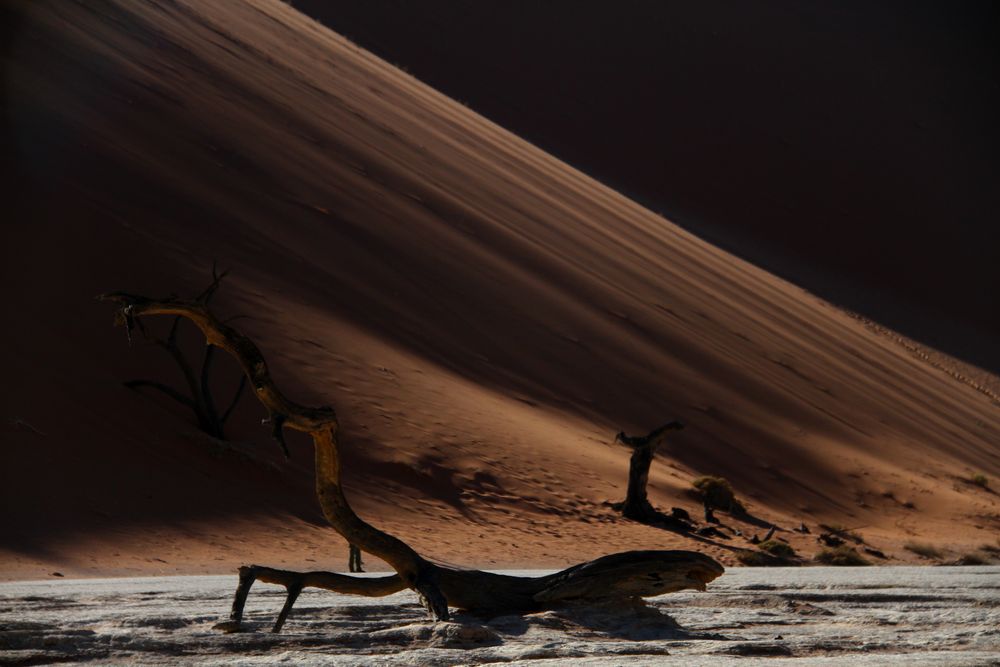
[19,423]
[201,399]
[206,294]
[206,391]
[178,356]
[236,399]
[172,336]
[277,423]
[169,391]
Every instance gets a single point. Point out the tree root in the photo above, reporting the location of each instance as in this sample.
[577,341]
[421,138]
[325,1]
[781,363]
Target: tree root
[625,575]
[294,582]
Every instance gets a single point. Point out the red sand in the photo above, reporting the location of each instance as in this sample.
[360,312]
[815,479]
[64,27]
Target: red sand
[483,317]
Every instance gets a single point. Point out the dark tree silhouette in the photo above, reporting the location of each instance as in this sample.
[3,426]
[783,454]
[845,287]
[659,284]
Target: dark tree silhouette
[199,398]
[636,505]
[354,563]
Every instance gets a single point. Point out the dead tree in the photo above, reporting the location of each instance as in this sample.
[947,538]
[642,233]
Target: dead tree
[354,563]
[636,505]
[199,398]
[625,575]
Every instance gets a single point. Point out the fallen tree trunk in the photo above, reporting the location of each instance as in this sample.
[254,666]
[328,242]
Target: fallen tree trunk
[631,574]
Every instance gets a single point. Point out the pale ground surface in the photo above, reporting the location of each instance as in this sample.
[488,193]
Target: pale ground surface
[804,616]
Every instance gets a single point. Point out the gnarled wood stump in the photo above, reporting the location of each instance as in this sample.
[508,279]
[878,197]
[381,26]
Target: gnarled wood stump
[636,505]
[630,574]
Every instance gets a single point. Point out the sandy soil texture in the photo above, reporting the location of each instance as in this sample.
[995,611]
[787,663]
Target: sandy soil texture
[483,317]
[816,616]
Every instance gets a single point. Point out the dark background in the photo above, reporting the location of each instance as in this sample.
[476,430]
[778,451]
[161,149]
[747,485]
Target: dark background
[851,147]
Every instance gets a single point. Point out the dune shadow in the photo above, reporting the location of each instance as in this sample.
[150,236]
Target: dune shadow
[429,477]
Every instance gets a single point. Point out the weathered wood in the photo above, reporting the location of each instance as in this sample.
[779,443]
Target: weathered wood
[628,574]
[624,575]
[294,582]
[636,505]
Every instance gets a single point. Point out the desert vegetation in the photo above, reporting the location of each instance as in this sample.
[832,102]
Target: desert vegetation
[778,548]
[717,493]
[752,558]
[924,549]
[980,480]
[971,559]
[769,553]
[841,556]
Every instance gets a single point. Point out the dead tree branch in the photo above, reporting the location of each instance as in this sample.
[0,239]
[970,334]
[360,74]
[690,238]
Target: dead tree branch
[354,563]
[630,574]
[199,398]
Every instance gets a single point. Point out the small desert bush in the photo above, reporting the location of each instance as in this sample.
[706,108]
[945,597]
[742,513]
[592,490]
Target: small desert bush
[754,558]
[842,555]
[842,532]
[980,480]
[925,550]
[972,559]
[717,492]
[772,553]
[778,548]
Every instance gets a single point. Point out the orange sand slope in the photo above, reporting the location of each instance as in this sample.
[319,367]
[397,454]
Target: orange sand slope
[483,317]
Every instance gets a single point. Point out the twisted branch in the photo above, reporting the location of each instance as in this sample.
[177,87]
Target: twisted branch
[630,574]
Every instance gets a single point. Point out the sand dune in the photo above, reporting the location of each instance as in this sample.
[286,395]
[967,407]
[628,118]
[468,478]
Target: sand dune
[483,317]
[847,147]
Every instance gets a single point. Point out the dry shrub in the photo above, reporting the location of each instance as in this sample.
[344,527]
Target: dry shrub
[925,550]
[754,558]
[718,493]
[843,532]
[971,559]
[842,556]
[778,548]
[773,553]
